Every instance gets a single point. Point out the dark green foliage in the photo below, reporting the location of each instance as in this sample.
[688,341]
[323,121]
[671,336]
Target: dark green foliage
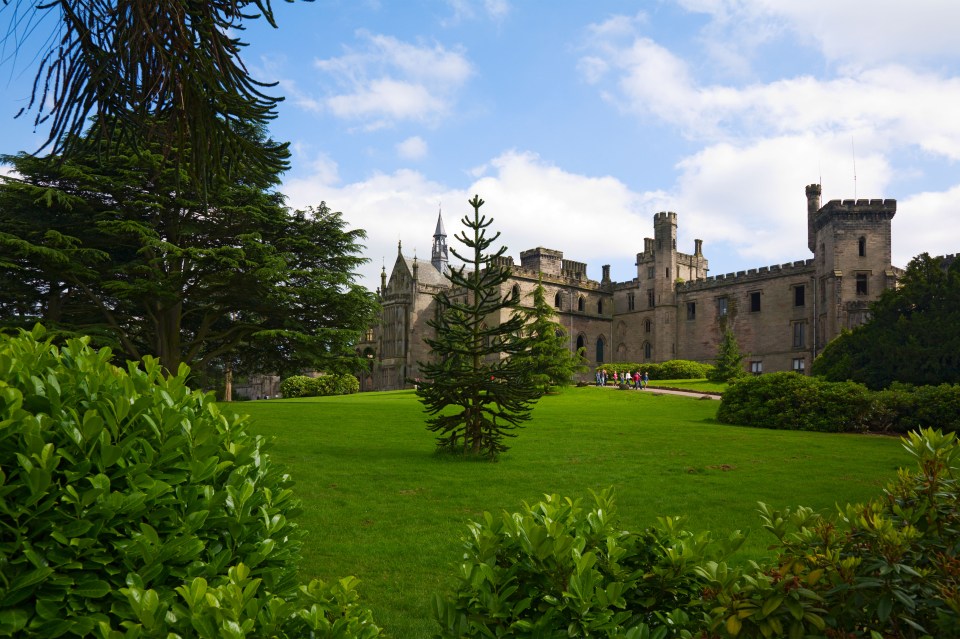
[558,569]
[888,568]
[549,357]
[476,387]
[303,386]
[913,335]
[789,401]
[126,64]
[105,247]
[125,496]
[671,369]
[903,408]
[729,364]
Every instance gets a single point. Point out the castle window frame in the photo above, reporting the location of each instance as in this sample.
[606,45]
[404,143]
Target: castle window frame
[667,273]
[799,334]
[601,344]
[581,341]
[558,301]
[580,303]
[691,310]
[755,301]
[862,284]
[862,246]
[756,367]
[599,307]
[800,365]
[631,302]
[647,350]
[799,295]
[723,306]
[647,325]
[651,299]
[651,272]
[516,292]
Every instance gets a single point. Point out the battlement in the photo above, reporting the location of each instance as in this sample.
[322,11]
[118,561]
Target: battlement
[751,275]
[663,216]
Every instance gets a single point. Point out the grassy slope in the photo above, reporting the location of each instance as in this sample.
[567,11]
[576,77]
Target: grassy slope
[380,505]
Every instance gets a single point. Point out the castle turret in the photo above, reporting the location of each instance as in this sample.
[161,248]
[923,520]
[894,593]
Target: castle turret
[813,206]
[438,256]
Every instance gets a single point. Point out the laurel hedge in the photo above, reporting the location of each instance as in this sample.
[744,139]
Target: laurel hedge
[304,386]
[132,507]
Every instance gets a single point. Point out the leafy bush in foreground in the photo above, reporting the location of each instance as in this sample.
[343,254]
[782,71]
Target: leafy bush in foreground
[131,506]
[890,568]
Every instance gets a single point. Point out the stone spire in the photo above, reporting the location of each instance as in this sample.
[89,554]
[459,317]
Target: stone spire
[438,256]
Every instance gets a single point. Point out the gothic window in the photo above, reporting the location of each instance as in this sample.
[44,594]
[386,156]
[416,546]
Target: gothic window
[621,352]
[600,350]
[651,300]
[861,283]
[755,302]
[368,337]
[516,292]
[862,247]
[722,306]
[599,307]
[647,350]
[581,343]
[691,310]
[800,295]
[647,325]
[799,334]
[556,301]
[580,303]
[631,302]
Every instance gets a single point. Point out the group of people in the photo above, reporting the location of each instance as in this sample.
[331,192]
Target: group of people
[637,379]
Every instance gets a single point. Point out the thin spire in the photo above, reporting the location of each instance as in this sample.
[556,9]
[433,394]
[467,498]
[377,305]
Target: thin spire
[440,232]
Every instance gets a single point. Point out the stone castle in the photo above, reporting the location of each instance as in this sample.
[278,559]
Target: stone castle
[782,315]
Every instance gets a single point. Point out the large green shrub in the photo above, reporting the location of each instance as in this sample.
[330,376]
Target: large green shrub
[789,401]
[902,408]
[304,386]
[889,568]
[131,506]
[558,569]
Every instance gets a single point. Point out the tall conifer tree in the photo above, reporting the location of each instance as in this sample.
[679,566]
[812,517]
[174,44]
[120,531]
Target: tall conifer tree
[476,388]
[549,357]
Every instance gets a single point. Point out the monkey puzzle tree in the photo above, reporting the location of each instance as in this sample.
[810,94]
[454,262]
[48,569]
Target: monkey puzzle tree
[128,65]
[549,358]
[476,387]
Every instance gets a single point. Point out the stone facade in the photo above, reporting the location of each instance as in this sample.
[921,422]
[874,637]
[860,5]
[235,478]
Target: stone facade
[782,315]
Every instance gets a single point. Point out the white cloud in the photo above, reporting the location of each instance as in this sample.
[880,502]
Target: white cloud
[926,223]
[413,148]
[388,80]
[849,33]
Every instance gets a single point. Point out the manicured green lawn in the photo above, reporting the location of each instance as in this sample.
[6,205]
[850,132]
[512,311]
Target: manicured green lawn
[380,505]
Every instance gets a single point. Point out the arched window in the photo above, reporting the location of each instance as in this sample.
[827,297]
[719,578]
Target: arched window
[599,307]
[647,325]
[581,343]
[556,300]
[580,303]
[516,292]
[600,350]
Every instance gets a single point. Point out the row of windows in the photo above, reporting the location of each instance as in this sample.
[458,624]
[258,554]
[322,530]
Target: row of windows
[581,303]
[799,366]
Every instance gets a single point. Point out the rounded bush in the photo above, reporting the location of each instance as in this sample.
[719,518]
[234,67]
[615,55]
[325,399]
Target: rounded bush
[131,501]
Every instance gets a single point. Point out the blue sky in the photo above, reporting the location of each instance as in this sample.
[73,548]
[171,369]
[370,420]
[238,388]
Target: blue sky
[577,121]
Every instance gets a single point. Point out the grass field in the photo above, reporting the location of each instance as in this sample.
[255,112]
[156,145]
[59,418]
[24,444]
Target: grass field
[379,504]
